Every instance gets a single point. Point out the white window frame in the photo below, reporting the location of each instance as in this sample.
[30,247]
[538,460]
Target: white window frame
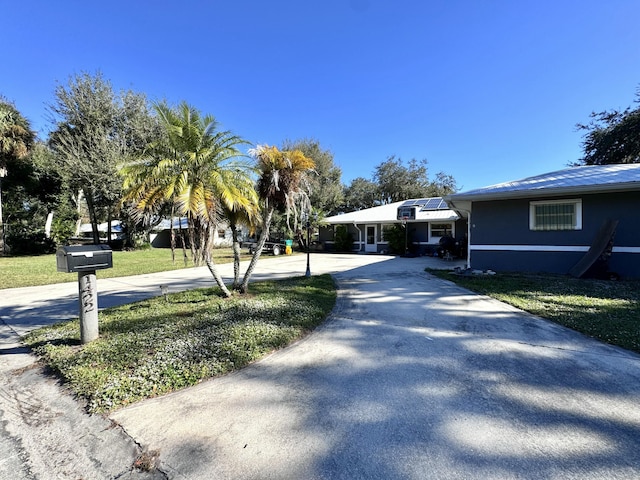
[452,230]
[577,202]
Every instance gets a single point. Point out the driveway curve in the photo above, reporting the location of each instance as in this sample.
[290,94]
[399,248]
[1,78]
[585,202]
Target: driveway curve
[411,377]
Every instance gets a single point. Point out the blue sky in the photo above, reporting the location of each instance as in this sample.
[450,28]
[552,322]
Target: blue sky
[486,91]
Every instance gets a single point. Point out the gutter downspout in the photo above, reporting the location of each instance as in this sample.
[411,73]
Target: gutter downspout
[468,212]
[359,237]
[468,239]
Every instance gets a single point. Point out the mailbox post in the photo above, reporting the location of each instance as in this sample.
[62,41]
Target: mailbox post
[85,260]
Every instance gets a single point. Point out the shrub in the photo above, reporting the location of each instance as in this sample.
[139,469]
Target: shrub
[24,241]
[343,240]
[395,235]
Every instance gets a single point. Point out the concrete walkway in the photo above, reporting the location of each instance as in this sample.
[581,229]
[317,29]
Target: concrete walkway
[411,378]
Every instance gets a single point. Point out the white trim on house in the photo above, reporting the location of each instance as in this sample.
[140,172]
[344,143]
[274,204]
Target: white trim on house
[625,249]
[530,248]
[546,248]
[388,214]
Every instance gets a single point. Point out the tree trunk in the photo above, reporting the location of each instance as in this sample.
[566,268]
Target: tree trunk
[185,254]
[192,241]
[236,256]
[92,218]
[216,275]
[244,288]
[109,227]
[302,241]
[172,237]
[183,243]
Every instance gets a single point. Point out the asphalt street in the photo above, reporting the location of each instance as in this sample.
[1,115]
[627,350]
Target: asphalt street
[411,377]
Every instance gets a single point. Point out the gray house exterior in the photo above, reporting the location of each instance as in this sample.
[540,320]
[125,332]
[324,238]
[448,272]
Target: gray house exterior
[548,223]
[427,219]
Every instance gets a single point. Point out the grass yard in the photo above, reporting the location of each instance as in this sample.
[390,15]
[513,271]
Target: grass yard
[41,270]
[160,345]
[606,310]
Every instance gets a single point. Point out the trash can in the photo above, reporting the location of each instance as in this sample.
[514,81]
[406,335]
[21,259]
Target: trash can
[288,247]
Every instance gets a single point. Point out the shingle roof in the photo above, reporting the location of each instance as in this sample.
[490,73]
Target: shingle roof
[584,179]
[389,214]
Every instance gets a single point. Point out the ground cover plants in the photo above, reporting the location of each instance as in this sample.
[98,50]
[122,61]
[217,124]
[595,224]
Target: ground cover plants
[163,344]
[41,269]
[606,310]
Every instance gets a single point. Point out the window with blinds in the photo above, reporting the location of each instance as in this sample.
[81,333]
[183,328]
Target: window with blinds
[556,215]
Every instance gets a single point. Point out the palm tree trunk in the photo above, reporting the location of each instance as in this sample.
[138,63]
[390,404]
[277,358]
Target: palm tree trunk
[213,268]
[172,237]
[236,255]
[183,242]
[192,241]
[244,288]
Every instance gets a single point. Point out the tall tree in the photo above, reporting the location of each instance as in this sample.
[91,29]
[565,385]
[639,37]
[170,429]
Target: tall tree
[612,137]
[16,136]
[326,192]
[283,184]
[194,167]
[360,194]
[95,130]
[36,195]
[16,140]
[399,182]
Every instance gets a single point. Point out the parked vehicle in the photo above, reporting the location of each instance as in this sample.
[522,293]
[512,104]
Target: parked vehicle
[275,248]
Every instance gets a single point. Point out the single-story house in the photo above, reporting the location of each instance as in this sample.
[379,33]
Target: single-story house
[554,222]
[160,236]
[85,230]
[427,220]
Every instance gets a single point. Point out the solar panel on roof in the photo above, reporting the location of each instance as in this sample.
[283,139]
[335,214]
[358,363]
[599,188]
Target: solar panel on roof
[432,204]
[415,202]
[436,203]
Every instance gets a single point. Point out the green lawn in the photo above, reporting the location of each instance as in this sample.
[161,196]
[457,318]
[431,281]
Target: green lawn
[160,345]
[41,270]
[606,310]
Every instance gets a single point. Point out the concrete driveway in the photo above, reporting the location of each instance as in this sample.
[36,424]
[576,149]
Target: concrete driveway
[411,378]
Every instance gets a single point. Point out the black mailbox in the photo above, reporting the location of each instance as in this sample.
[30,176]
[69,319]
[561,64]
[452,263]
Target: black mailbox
[83,258]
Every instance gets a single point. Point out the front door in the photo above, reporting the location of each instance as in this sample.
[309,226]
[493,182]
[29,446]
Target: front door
[370,243]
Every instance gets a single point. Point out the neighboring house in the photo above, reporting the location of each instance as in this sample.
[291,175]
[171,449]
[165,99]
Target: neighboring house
[427,219]
[160,237]
[549,222]
[85,231]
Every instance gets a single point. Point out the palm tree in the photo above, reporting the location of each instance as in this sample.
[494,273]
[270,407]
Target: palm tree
[16,136]
[282,184]
[194,167]
[245,211]
[16,139]
[249,217]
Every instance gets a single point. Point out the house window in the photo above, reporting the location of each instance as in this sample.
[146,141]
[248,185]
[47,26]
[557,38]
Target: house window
[556,215]
[221,233]
[440,229]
